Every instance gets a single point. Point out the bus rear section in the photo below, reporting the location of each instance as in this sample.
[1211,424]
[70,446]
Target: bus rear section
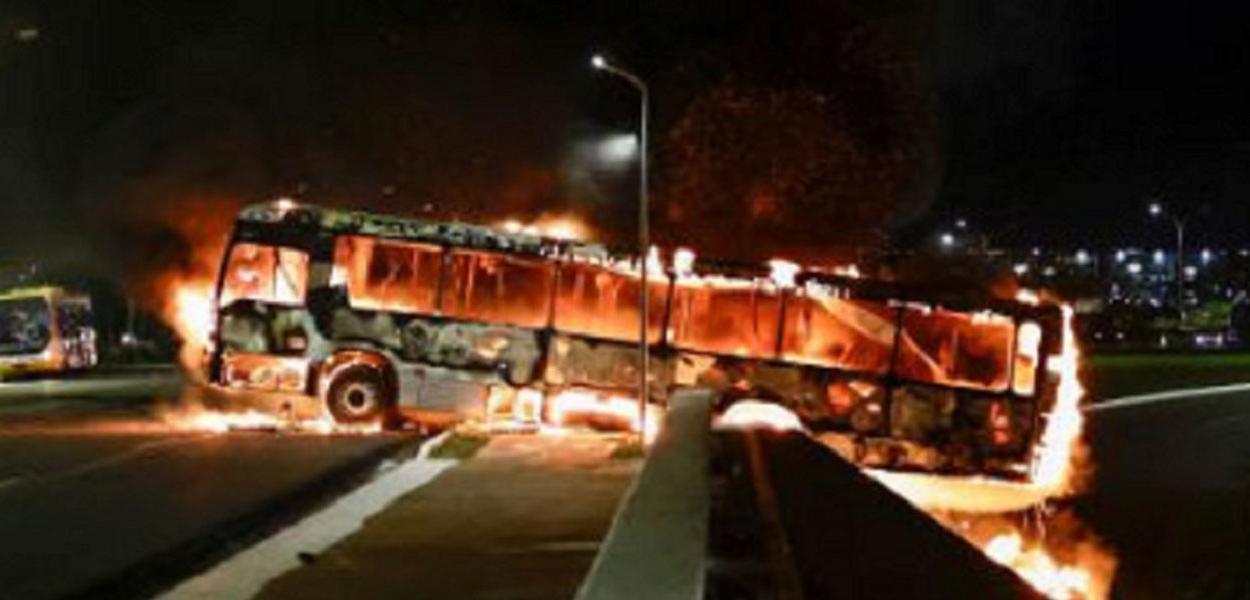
[364,317]
[45,331]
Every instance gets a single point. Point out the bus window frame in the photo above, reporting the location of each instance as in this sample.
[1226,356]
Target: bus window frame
[276,248]
[445,282]
[661,341]
[1005,390]
[436,308]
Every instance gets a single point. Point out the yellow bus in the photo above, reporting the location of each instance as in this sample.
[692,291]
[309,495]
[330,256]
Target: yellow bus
[45,330]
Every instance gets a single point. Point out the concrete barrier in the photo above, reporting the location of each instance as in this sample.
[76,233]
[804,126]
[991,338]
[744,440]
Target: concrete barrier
[657,546]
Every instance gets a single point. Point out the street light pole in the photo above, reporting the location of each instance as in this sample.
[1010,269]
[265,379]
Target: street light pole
[644,238]
[1178,221]
[1180,266]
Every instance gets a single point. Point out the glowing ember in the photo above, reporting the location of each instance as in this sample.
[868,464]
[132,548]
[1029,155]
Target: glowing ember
[752,414]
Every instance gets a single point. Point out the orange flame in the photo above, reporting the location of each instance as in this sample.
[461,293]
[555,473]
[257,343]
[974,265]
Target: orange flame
[558,226]
[570,406]
[1037,567]
[1054,468]
[750,414]
[220,422]
[190,312]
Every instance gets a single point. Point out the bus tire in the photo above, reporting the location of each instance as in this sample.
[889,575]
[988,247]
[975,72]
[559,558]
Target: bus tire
[360,395]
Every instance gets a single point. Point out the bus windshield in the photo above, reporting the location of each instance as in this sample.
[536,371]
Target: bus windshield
[24,327]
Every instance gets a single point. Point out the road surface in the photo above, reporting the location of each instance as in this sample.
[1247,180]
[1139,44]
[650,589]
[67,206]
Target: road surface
[1171,494]
[98,498]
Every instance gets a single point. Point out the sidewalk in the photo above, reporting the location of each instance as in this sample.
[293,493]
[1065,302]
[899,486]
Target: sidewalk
[522,519]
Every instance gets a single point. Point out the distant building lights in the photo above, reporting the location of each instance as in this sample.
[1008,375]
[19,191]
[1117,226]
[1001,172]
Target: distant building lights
[1134,268]
[1207,255]
[947,240]
[1120,255]
[1082,257]
[1020,269]
[1159,257]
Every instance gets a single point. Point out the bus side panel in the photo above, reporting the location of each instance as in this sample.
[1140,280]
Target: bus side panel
[581,362]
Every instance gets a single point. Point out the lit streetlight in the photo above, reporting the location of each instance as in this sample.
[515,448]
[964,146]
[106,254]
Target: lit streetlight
[644,235]
[947,240]
[1156,210]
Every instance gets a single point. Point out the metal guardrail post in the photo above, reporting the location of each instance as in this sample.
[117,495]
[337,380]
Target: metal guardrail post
[657,546]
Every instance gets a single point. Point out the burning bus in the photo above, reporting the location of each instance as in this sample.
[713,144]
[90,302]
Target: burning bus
[369,318]
[45,330]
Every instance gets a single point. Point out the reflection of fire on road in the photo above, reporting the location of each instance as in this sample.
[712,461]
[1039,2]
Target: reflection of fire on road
[198,411]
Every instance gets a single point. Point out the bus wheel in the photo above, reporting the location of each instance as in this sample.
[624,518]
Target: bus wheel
[359,395]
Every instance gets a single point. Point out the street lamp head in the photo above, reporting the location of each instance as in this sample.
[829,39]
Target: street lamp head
[597,61]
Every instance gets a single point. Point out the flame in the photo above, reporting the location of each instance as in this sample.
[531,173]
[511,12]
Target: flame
[190,312]
[561,227]
[752,414]
[570,405]
[1061,439]
[1038,568]
[220,422]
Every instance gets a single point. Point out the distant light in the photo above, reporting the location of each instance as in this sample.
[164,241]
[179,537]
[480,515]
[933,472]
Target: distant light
[598,62]
[947,240]
[1156,209]
[1049,271]
[1159,257]
[1037,251]
[961,224]
[26,34]
[284,205]
[1082,257]
[1120,255]
[1206,255]
[1020,269]
[1191,271]
[1134,268]
[618,148]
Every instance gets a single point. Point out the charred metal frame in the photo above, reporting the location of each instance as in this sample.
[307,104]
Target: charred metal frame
[313,230]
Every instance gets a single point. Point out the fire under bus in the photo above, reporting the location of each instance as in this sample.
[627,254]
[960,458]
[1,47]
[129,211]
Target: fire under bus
[368,317]
[45,330]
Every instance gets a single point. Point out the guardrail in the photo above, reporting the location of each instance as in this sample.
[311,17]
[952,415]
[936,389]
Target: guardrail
[657,546]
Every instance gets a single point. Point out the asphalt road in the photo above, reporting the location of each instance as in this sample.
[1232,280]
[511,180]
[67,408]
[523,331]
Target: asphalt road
[1171,495]
[96,498]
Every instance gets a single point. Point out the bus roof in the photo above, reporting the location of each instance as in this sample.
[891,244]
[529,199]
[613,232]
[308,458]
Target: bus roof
[467,235]
[420,230]
[43,291]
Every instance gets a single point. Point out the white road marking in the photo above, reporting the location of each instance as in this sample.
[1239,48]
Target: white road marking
[245,574]
[1167,395]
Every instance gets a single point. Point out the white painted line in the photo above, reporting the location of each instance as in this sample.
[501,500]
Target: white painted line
[246,573]
[1179,394]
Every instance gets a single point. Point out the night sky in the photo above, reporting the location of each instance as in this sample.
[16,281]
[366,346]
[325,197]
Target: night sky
[129,128]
